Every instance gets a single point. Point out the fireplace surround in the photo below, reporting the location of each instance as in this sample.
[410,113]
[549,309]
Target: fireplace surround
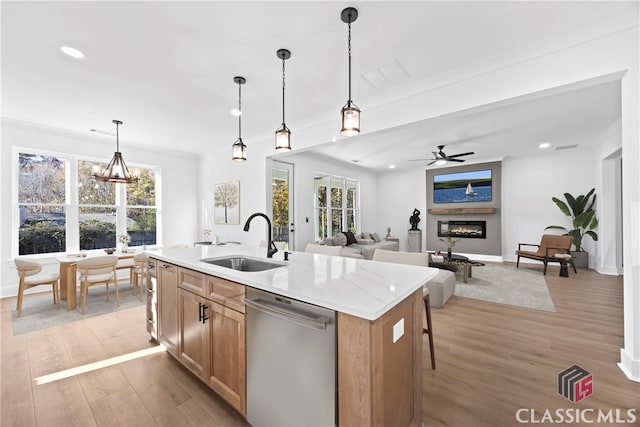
[463,229]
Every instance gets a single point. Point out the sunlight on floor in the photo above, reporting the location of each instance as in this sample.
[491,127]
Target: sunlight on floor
[45,379]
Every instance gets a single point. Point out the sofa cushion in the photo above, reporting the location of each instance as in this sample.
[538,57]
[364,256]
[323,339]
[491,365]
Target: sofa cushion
[376,238]
[340,239]
[351,239]
[365,235]
[328,241]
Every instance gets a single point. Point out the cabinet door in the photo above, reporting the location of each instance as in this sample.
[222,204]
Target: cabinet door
[227,357]
[193,332]
[168,306]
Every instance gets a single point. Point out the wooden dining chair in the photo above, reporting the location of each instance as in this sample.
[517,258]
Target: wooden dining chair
[420,259]
[139,273]
[96,270]
[31,276]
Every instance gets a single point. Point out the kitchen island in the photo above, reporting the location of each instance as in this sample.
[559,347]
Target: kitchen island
[378,309]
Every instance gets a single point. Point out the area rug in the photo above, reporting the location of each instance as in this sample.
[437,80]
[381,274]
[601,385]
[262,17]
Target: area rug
[505,284]
[39,312]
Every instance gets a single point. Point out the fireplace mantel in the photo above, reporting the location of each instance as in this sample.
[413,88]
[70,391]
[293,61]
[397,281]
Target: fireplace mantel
[461,211]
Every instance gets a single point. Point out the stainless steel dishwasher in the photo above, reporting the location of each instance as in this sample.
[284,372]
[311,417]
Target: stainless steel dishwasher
[291,362]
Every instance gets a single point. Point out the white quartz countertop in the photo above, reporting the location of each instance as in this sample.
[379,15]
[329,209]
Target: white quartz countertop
[361,288]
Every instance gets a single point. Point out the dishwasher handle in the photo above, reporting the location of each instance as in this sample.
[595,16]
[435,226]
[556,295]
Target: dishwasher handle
[257,303]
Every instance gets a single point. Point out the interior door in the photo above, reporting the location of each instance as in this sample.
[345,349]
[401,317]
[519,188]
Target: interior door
[282,203]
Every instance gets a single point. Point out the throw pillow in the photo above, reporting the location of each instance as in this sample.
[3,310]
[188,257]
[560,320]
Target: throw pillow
[375,237]
[351,239]
[340,239]
[365,235]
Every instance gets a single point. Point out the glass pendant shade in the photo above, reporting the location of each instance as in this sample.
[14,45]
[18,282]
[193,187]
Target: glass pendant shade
[283,138]
[239,151]
[116,170]
[350,120]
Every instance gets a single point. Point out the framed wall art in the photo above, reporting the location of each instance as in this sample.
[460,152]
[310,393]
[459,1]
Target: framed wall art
[226,203]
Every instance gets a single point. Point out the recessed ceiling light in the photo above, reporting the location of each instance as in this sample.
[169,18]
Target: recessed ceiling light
[235,112]
[544,145]
[333,139]
[392,166]
[72,52]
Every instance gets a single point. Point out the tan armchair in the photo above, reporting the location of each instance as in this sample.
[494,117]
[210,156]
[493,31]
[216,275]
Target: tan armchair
[549,246]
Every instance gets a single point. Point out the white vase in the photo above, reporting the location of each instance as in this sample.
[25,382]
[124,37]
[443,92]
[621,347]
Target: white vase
[124,248]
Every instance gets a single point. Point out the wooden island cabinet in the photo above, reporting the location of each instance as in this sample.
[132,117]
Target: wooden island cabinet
[201,322]
[211,335]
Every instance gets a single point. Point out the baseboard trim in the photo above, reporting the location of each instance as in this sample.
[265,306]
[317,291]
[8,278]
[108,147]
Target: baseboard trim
[629,366]
[609,271]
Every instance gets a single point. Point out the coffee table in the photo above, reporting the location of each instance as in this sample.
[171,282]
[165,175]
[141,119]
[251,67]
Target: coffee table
[460,261]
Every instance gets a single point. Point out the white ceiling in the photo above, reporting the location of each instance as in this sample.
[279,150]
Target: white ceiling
[166,70]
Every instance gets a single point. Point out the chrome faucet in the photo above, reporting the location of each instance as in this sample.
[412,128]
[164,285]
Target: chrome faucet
[271,247]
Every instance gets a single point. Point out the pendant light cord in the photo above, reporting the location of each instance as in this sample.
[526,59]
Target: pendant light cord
[283,91]
[117,138]
[349,50]
[239,111]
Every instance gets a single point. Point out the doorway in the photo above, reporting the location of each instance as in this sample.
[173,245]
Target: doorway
[282,203]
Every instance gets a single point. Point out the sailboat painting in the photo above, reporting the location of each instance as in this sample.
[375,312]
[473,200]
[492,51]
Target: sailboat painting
[470,191]
[460,187]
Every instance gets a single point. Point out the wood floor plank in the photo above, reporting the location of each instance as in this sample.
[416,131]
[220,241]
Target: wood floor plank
[122,408]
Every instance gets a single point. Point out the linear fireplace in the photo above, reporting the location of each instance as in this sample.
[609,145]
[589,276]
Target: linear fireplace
[468,229]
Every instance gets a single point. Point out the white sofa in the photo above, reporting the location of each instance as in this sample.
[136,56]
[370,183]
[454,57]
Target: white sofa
[365,246]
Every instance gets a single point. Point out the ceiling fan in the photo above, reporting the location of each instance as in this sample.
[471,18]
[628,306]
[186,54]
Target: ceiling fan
[440,156]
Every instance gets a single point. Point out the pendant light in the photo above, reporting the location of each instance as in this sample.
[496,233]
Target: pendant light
[283,134]
[239,152]
[350,112]
[116,170]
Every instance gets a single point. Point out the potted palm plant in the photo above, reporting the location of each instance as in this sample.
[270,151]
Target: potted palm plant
[582,211]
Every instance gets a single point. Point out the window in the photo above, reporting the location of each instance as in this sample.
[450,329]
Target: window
[97,209]
[141,209]
[41,204]
[50,219]
[336,205]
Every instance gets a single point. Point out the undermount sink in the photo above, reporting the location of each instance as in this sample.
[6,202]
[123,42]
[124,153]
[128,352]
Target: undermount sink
[243,263]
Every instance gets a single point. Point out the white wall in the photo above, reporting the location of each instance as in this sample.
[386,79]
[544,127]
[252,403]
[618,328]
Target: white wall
[399,193]
[178,186]
[527,188]
[305,169]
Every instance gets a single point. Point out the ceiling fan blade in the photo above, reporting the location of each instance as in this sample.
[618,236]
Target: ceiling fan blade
[431,163]
[455,160]
[461,154]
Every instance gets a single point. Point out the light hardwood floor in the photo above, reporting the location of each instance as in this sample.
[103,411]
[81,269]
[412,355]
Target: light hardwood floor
[492,360]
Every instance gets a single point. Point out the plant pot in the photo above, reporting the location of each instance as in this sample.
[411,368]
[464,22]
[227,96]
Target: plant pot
[580,259]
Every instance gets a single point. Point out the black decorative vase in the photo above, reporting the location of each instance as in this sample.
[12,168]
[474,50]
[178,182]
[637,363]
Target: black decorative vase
[449,254]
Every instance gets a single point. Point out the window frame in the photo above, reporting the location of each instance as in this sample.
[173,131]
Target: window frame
[72,205]
[344,209]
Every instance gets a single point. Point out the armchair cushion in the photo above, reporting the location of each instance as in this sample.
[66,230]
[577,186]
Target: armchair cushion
[549,246]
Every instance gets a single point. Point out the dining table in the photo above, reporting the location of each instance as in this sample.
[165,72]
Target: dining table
[68,273]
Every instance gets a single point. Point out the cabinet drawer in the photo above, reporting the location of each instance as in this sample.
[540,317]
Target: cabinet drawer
[191,281]
[225,292]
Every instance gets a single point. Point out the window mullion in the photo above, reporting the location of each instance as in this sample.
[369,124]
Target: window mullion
[73,210]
